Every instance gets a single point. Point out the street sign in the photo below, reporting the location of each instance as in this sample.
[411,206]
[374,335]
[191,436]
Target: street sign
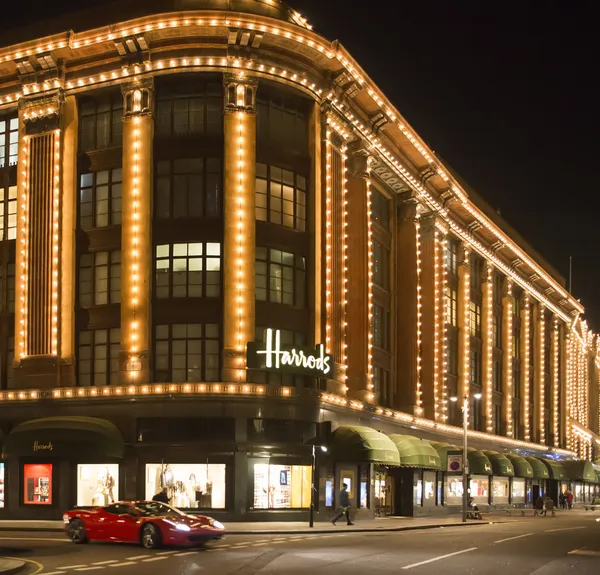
[455,463]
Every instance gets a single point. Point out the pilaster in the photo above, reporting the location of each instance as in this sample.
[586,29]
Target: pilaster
[136,238]
[539,373]
[487,360]
[463,321]
[507,359]
[239,241]
[525,367]
[554,387]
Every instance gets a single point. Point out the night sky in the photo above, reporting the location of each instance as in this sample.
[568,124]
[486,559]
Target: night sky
[505,92]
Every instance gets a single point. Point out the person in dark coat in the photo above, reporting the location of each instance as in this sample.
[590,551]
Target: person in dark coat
[162,496]
[345,505]
[539,505]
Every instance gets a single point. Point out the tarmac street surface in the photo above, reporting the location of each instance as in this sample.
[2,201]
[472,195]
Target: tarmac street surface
[568,543]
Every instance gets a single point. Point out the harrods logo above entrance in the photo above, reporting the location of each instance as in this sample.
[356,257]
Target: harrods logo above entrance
[270,356]
[37,446]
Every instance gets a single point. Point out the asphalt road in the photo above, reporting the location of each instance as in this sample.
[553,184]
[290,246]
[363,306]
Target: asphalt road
[540,546]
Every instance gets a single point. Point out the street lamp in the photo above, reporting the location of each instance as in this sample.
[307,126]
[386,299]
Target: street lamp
[465,411]
[311,516]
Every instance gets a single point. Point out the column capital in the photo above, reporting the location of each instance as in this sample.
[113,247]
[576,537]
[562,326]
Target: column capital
[240,93]
[41,113]
[359,158]
[138,97]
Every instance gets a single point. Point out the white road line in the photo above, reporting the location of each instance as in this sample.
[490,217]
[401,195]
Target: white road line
[585,553]
[153,559]
[243,546]
[67,567]
[439,558]
[263,540]
[564,529]
[55,573]
[186,553]
[138,557]
[512,538]
[89,568]
[124,564]
[105,562]
[167,553]
[53,540]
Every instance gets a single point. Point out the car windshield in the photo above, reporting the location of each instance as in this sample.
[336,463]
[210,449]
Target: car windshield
[156,509]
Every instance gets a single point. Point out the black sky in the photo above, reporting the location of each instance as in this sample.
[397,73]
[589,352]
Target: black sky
[504,91]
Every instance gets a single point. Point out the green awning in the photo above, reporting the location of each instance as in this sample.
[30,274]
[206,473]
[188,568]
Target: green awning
[415,452]
[362,444]
[501,465]
[580,471]
[540,471]
[443,449]
[556,469]
[479,463]
[522,467]
[72,436]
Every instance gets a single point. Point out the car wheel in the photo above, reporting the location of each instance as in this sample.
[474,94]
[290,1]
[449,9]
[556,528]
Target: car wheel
[76,531]
[150,536]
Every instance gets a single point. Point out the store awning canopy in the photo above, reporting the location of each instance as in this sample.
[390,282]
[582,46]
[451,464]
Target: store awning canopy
[521,465]
[556,469]
[415,452]
[72,436]
[580,471]
[479,463]
[363,444]
[501,465]
[540,471]
[443,449]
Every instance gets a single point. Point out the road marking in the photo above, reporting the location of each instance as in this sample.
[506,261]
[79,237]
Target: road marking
[585,553]
[263,540]
[56,573]
[439,558]
[38,566]
[186,553]
[137,557]
[153,559]
[124,564]
[512,538]
[166,552]
[89,568]
[62,540]
[105,562]
[564,529]
[67,567]
[242,546]
[259,544]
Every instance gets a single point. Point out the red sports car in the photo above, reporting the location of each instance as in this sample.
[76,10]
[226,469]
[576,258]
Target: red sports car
[150,523]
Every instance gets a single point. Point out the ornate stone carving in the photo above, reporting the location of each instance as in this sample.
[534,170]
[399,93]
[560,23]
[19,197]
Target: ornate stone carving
[138,97]
[240,92]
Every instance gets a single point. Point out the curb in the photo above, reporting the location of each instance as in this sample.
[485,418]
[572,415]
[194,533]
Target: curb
[297,531]
[10,566]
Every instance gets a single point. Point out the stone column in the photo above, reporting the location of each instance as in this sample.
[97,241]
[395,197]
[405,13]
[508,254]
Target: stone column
[555,382]
[525,354]
[563,408]
[44,273]
[507,359]
[539,374]
[487,359]
[463,321]
[136,239]
[239,242]
[359,274]
[407,286]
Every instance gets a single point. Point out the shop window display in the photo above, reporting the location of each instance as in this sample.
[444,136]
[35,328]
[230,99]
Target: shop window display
[418,487]
[518,490]
[479,488]
[500,490]
[1,485]
[189,485]
[37,483]
[281,486]
[454,490]
[97,484]
[429,488]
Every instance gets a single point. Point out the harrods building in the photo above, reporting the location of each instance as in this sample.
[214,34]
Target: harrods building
[221,246]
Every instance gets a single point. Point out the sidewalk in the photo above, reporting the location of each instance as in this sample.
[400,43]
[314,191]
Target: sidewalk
[296,527]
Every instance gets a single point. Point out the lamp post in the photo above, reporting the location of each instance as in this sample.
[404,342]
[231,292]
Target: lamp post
[311,516]
[465,411]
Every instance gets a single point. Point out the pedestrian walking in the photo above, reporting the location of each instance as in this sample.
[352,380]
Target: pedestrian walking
[570,499]
[562,500]
[548,506]
[345,506]
[539,506]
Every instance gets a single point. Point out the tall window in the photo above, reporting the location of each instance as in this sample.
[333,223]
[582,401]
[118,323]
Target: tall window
[280,277]
[10,287]
[475,319]
[280,123]
[188,270]
[101,123]
[380,209]
[381,265]
[475,367]
[99,278]
[451,258]
[99,357]
[450,305]
[187,352]
[100,196]
[381,327]
[188,188]
[280,197]
[381,385]
[9,141]
[8,213]
[197,111]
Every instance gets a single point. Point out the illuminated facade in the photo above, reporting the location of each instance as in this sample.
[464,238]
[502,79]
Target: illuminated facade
[174,184]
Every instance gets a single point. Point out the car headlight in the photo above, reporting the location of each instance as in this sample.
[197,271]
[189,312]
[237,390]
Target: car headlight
[218,525]
[182,527]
